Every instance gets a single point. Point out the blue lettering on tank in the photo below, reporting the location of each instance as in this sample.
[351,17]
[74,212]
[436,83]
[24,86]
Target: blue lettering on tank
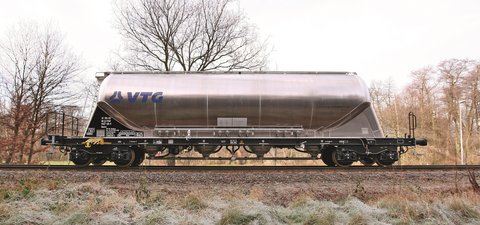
[133,97]
[145,96]
[116,97]
[157,97]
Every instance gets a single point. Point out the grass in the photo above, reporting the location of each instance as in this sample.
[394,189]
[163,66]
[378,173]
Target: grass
[4,212]
[58,202]
[142,192]
[434,208]
[155,218]
[193,203]
[464,210]
[58,207]
[78,217]
[321,219]
[358,219]
[236,216]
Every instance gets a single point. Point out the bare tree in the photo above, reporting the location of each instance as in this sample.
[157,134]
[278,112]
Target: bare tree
[91,88]
[55,68]
[36,69]
[424,91]
[471,89]
[18,66]
[384,100]
[165,35]
[4,142]
[452,74]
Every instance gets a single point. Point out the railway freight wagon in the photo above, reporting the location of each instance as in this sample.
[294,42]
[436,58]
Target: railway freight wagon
[327,115]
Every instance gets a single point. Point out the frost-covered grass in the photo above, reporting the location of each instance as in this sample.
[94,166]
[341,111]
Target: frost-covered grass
[56,202]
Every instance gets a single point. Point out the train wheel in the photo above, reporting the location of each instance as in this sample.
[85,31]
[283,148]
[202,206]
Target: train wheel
[81,158]
[384,163]
[367,161]
[99,161]
[326,157]
[139,156]
[382,159]
[127,159]
[338,162]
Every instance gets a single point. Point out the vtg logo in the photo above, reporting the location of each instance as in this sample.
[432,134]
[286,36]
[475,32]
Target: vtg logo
[155,97]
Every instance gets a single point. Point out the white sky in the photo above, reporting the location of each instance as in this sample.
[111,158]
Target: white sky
[376,38]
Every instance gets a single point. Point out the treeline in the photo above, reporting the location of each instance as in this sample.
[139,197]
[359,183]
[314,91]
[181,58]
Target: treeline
[440,96]
[36,69]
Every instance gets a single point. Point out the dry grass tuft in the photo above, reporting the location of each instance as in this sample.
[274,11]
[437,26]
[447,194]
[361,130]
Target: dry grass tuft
[404,210]
[472,178]
[463,209]
[358,219]
[301,201]
[256,193]
[3,194]
[323,218]
[142,193]
[58,207]
[23,189]
[313,219]
[432,208]
[4,212]
[156,217]
[55,184]
[193,202]
[90,188]
[78,218]
[235,216]
[360,191]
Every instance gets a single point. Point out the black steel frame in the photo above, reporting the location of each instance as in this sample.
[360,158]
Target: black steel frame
[363,146]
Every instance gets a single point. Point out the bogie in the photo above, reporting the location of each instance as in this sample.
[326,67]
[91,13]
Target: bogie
[344,157]
[123,156]
[80,157]
[387,158]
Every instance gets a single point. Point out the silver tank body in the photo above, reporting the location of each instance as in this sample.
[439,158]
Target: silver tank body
[324,104]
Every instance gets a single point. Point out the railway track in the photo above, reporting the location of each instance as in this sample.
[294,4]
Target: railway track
[243,168]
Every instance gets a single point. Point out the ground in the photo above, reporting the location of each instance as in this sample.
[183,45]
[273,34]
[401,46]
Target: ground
[238,197]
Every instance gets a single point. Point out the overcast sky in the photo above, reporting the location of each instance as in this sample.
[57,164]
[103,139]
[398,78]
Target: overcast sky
[376,38]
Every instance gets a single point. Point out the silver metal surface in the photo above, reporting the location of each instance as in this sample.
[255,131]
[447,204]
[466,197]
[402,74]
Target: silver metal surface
[323,104]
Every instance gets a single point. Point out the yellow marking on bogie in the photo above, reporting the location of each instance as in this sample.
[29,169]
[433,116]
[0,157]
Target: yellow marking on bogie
[95,141]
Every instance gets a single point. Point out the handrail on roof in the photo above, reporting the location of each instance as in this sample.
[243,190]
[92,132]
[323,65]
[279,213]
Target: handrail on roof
[102,75]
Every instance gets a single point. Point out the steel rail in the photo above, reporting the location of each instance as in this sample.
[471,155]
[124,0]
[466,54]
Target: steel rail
[242,168]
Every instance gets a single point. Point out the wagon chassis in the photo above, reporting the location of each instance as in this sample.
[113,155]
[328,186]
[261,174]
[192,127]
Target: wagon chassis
[348,149]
